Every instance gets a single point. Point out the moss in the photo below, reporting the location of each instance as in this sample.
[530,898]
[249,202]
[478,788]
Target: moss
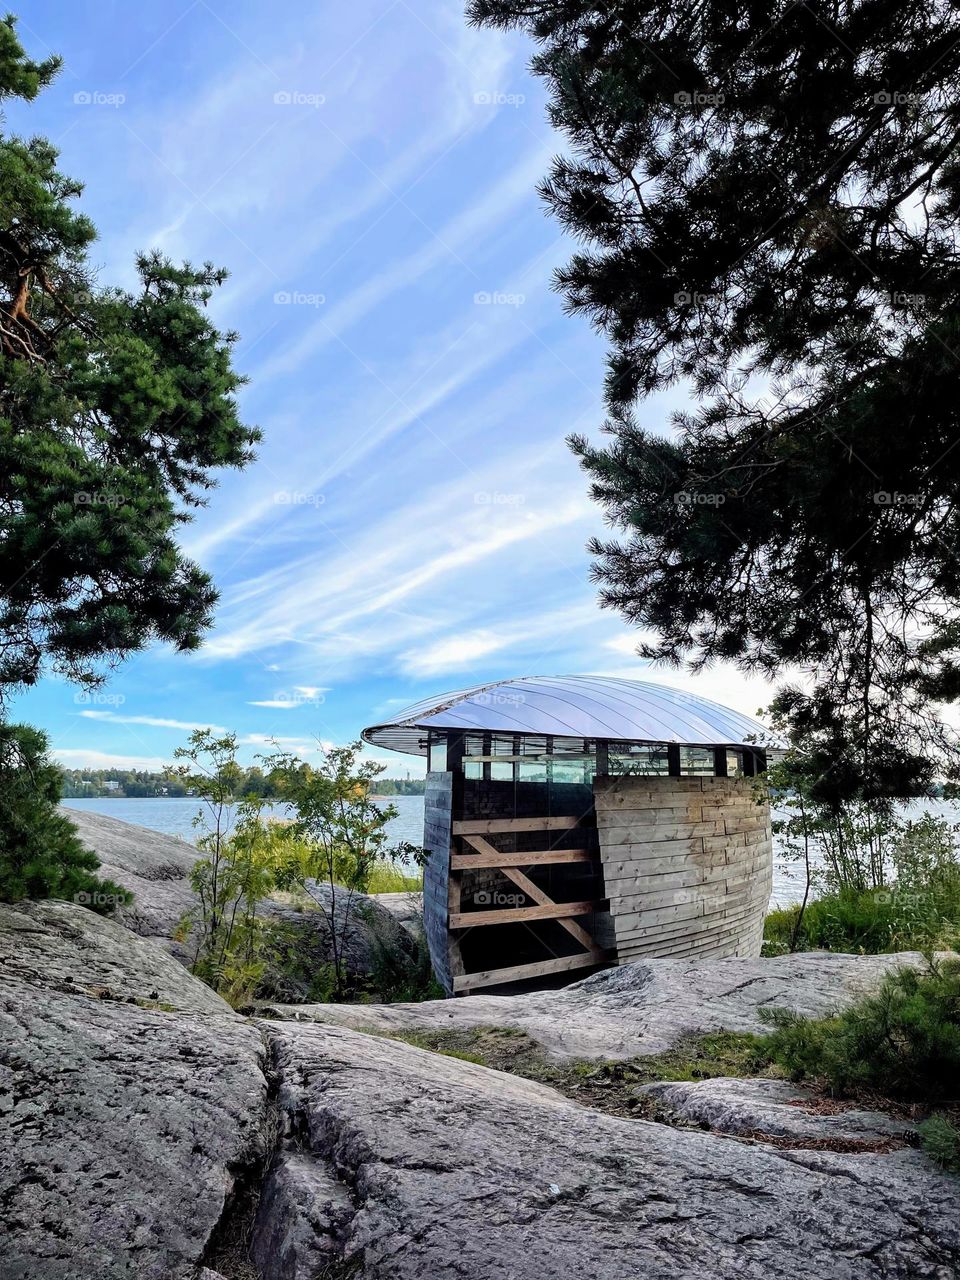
[611,1086]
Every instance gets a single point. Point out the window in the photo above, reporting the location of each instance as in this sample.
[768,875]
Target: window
[438,755]
[697,762]
[629,758]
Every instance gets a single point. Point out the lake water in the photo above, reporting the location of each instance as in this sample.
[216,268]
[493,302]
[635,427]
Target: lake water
[174,816]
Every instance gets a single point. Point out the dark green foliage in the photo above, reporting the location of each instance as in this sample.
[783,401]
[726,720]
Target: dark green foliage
[768,197]
[940,1139]
[402,975]
[865,922]
[903,1042]
[40,853]
[115,407]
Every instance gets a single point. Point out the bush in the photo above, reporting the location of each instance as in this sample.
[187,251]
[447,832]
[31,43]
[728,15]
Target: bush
[40,852]
[902,1042]
[940,1139]
[870,922]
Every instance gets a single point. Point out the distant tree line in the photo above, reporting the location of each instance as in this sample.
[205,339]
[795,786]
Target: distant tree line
[137,783]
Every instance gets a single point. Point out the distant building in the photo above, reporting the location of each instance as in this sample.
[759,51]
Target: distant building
[111,785]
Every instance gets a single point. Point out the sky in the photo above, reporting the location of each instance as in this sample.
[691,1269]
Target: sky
[414,522]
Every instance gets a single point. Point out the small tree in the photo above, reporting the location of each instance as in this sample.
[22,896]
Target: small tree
[342,836]
[41,855]
[243,864]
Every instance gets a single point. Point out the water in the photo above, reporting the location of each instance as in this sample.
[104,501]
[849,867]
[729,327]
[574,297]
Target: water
[174,816]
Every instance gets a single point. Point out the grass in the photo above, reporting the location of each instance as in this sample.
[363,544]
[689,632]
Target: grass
[613,1087]
[386,877]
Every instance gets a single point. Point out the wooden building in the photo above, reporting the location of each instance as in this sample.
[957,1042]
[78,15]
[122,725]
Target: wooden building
[579,821]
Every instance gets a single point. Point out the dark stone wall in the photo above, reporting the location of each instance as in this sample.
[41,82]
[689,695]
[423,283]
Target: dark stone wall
[437,818]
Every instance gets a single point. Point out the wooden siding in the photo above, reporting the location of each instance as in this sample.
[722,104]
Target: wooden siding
[687,865]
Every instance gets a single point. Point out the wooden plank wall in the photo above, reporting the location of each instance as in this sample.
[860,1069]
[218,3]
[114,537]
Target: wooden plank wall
[437,827]
[687,865]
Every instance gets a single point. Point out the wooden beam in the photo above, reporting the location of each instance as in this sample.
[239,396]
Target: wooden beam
[520,915]
[537,894]
[540,857]
[539,969]
[488,826]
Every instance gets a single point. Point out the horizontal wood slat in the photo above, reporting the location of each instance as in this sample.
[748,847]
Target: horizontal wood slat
[489,826]
[520,915]
[539,857]
[517,972]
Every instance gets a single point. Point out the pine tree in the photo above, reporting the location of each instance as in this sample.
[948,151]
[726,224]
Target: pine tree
[116,407]
[768,196]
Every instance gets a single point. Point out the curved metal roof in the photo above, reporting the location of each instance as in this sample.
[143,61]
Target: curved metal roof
[573,707]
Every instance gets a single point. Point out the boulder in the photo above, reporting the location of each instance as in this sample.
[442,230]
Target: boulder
[776,1108]
[66,947]
[124,1127]
[453,1170]
[640,1008]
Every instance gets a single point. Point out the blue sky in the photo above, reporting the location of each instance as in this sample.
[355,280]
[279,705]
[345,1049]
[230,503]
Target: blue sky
[414,522]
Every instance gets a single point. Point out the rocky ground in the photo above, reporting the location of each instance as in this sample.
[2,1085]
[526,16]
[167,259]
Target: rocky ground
[148,1131]
[640,1008]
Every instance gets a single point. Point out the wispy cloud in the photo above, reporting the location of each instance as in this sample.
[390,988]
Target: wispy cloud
[154,722]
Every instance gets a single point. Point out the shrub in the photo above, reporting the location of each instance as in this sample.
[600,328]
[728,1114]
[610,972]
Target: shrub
[903,1042]
[41,855]
[940,1139]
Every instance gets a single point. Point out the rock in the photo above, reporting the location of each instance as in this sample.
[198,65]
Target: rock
[156,868]
[406,909]
[63,946]
[123,1129]
[640,1008]
[456,1170]
[773,1107]
[151,1144]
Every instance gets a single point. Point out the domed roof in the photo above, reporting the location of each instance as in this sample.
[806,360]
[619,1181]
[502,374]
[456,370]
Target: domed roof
[573,707]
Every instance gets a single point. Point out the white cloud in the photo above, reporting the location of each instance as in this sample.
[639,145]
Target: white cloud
[154,722]
[90,758]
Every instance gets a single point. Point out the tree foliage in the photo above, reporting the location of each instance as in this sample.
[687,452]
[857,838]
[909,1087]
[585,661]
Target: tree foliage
[116,407]
[41,855]
[768,199]
[341,835]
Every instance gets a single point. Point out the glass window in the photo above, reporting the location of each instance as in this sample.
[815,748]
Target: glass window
[734,764]
[532,771]
[473,769]
[630,758]
[438,755]
[697,762]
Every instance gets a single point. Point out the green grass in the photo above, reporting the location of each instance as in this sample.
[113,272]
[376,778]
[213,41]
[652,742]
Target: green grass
[611,1086]
[385,877]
